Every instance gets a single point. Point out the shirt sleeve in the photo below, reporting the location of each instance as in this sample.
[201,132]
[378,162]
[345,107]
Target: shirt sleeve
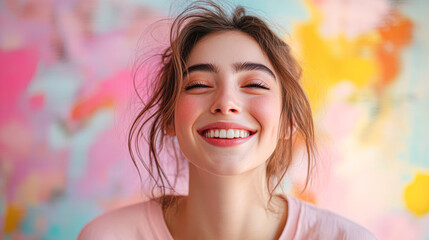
[306,221]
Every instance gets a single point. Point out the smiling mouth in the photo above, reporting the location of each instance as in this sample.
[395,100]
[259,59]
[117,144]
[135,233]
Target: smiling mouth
[226,133]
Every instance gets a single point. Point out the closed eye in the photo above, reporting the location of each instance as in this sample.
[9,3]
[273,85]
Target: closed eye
[256,85]
[196,85]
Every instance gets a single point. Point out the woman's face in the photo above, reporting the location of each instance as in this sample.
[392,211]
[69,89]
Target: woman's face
[228,113]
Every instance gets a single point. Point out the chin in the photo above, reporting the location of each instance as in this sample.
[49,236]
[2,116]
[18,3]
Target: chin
[230,166]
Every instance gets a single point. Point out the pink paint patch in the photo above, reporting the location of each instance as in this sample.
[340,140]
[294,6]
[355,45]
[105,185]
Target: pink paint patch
[353,17]
[37,101]
[397,227]
[17,69]
[340,120]
[318,2]
[108,165]
[16,138]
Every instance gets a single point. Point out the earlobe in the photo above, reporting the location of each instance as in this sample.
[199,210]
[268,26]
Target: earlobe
[288,134]
[170,131]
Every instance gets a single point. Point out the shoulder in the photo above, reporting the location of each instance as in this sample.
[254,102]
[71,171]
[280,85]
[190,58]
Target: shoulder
[124,223]
[317,223]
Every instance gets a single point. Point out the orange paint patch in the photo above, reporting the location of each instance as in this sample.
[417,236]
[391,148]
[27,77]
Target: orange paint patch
[108,95]
[303,195]
[13,218]
[88,107]
[395,35]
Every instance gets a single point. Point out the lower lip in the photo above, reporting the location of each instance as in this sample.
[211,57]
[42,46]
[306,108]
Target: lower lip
[226,142]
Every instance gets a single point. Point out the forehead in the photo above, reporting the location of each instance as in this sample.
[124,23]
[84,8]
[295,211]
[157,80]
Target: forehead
[226,48]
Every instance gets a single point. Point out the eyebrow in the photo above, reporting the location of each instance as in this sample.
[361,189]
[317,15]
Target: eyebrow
[238,67]
[249,66]
[206,67]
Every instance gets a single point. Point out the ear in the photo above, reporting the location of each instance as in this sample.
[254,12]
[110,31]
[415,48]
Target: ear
[170,131]
[288,135]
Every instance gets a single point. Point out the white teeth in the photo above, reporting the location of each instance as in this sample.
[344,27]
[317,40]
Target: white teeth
[237,133]
[226,133]
[222,133]
[217,133]
[230,133]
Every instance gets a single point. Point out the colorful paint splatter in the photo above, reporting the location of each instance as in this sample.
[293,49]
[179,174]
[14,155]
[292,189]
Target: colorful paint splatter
[67,100]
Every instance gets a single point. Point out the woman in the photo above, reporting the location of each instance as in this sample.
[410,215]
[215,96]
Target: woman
[228,91]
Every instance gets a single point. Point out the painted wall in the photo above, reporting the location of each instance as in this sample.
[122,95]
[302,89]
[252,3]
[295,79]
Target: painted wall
[67,100]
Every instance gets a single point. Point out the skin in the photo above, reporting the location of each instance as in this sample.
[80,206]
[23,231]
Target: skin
[228,197]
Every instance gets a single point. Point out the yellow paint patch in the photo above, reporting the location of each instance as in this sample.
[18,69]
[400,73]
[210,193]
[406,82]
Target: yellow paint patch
[14,215]
[327,61]
[416,195]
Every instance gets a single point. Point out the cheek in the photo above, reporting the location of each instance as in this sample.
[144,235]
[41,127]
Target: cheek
[267,110]
[185,112]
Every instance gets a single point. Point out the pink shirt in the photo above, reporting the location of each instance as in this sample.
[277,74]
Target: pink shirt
[305,221]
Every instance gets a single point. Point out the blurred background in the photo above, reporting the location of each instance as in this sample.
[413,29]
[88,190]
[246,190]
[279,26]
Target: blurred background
[67,101]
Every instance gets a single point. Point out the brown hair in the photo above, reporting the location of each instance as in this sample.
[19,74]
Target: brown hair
[196,21]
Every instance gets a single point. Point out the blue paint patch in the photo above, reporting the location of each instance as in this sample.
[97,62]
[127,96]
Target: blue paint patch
[413,87]
[108,16]
[278,12]
[29,224]
[67,217]
[59,84]
[283,13]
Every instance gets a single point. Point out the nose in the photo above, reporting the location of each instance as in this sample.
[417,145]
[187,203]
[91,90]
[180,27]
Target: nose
[226,101]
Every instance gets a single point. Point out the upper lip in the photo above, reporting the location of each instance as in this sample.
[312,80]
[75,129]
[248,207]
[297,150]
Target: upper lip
[225,125]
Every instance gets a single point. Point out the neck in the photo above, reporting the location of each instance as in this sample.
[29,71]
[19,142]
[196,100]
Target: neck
[229,207]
